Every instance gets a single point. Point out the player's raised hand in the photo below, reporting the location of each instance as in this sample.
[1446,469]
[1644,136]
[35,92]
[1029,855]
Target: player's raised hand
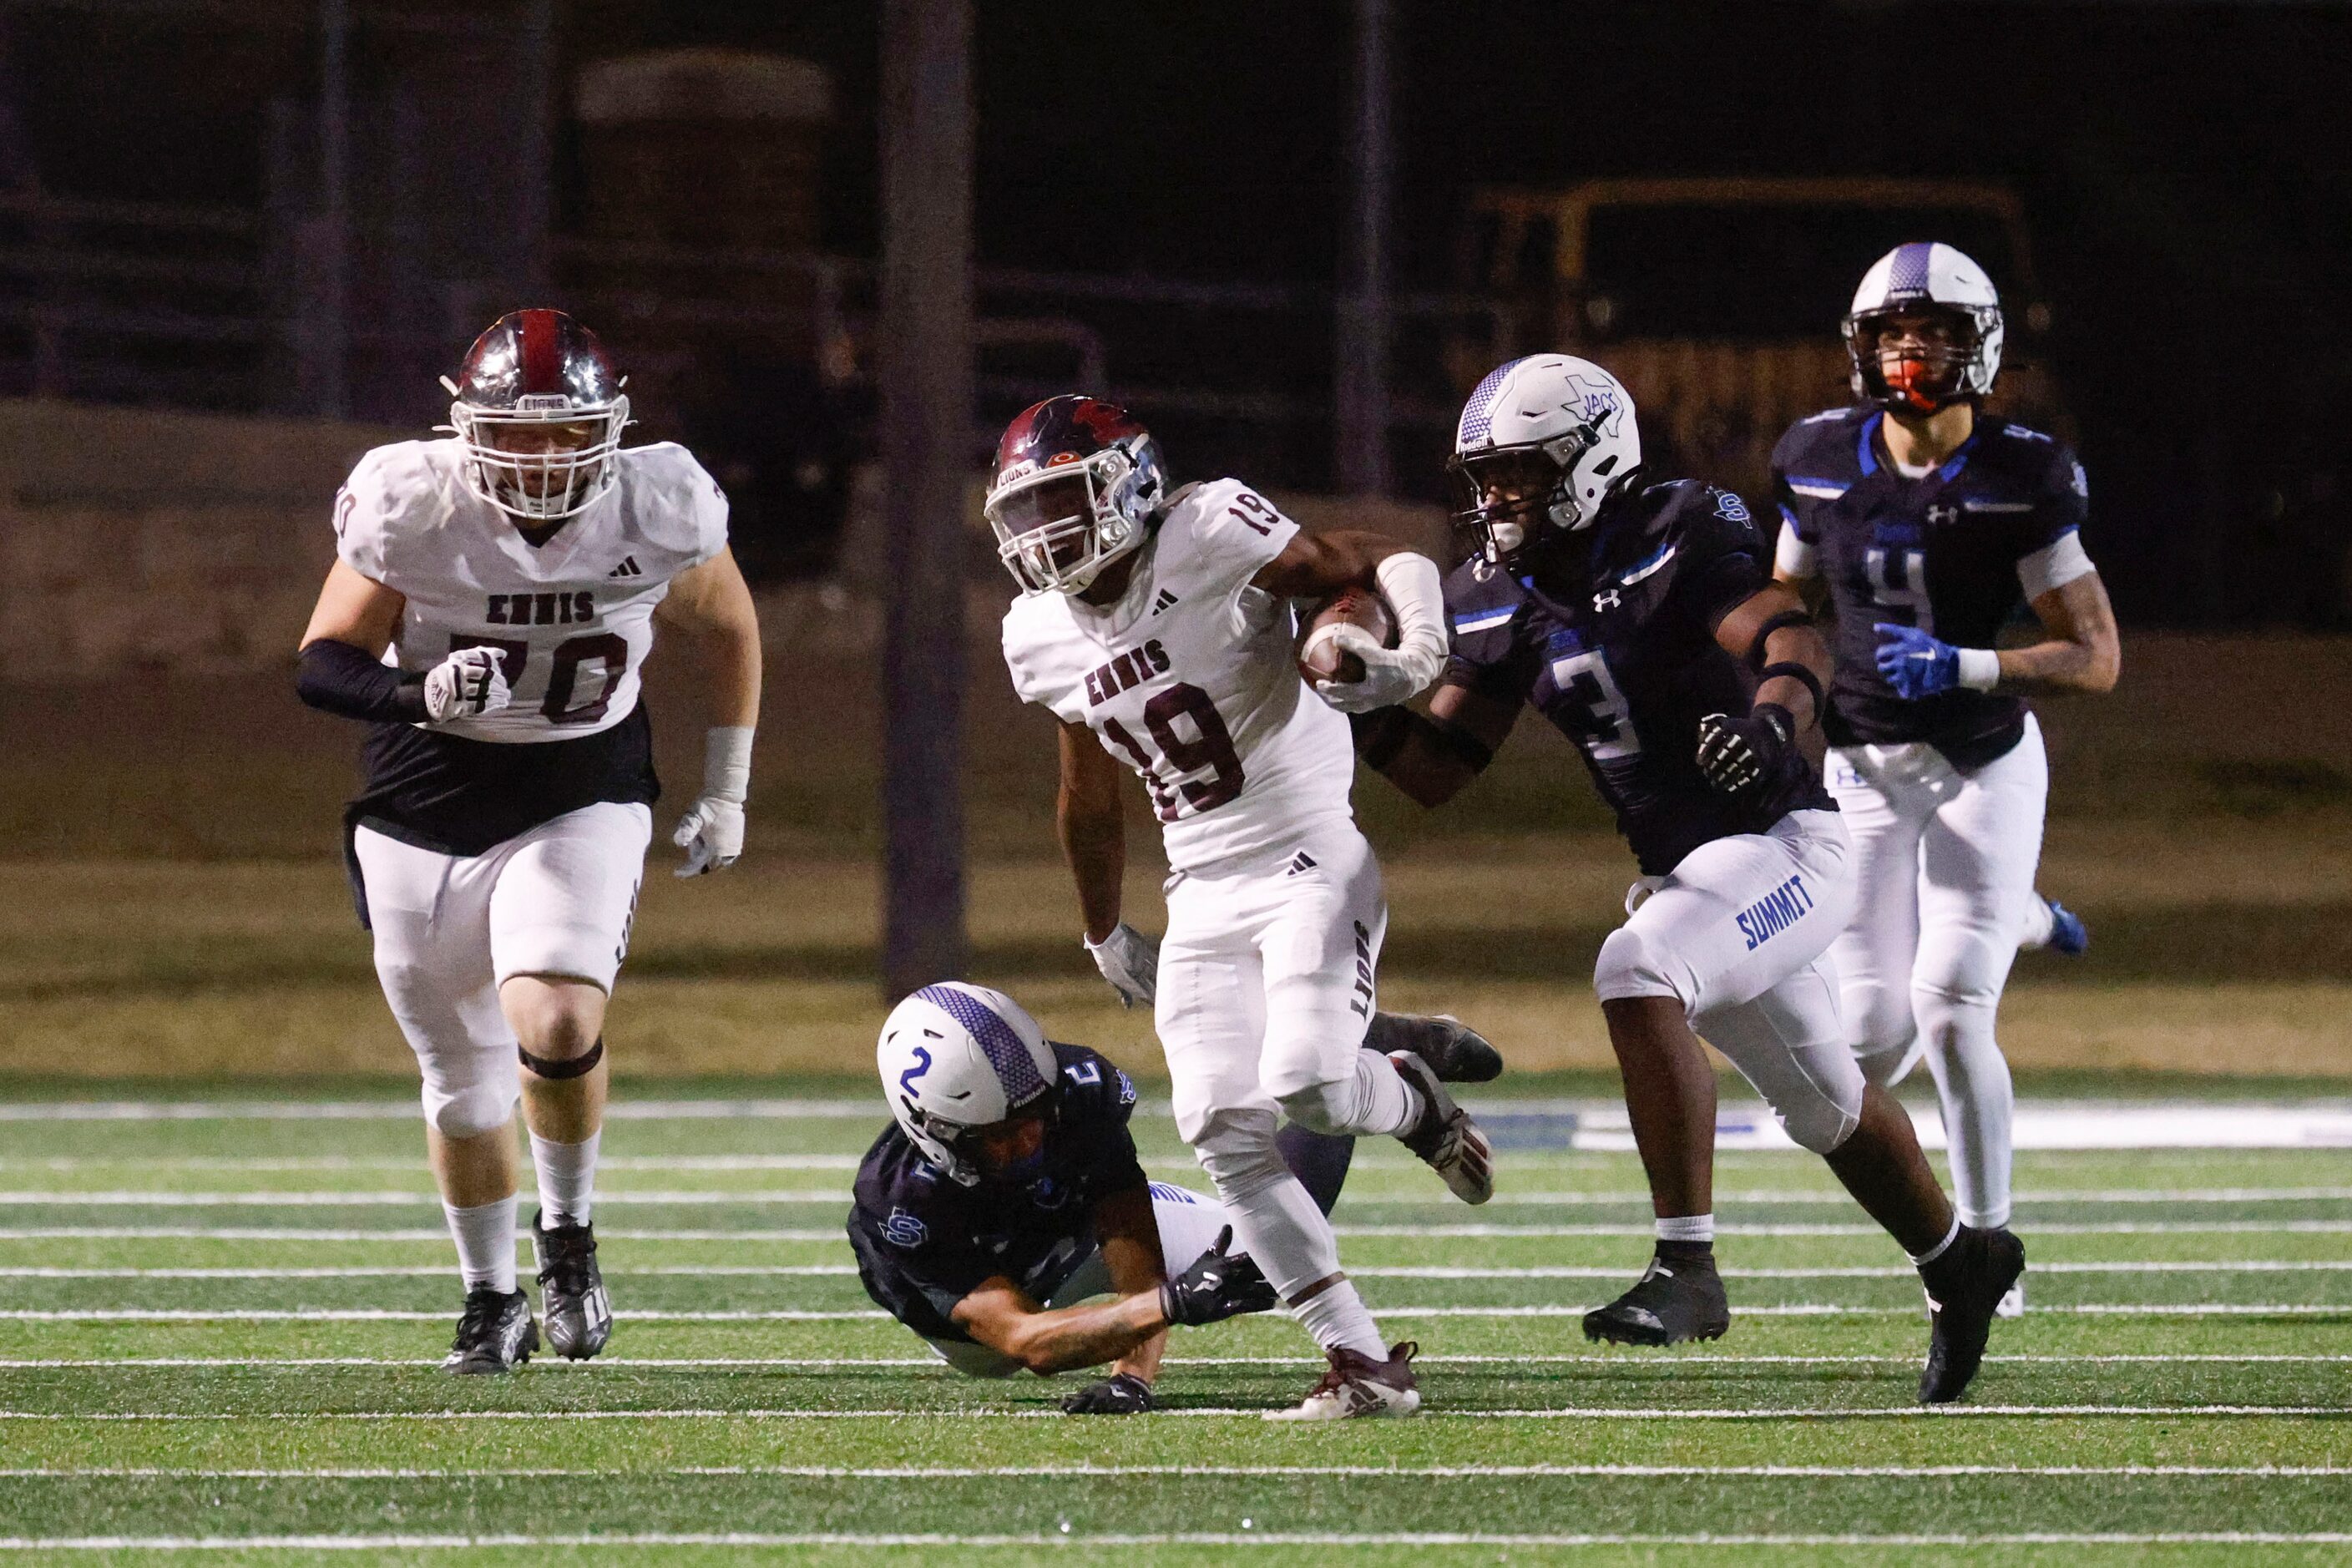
[1123,1394]
[1742,757]
[1216,1286]
[1914,663]
[1392,674]
[471,683]
[1130,962]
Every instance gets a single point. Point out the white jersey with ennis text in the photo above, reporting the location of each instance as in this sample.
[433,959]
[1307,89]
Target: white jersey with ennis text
[572,618]
[1191,679]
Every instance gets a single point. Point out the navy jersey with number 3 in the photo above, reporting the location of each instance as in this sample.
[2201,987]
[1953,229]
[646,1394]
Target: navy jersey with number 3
[1619,653]
[1946,552]
[924,1241]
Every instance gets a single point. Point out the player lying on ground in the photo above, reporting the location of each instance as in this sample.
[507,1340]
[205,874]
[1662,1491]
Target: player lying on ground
[1007,1192]
[1638,618]
[1926,519]
[515,572]
[1157,624]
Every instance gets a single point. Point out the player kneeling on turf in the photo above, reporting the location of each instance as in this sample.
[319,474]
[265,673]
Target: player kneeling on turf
[515,572]
[1008,1191]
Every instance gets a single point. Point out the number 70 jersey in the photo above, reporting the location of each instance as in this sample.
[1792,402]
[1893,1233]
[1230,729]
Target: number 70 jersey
[1191,679]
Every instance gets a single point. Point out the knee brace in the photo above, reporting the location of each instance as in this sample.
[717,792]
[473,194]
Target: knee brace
[1236,1148]
[1632,965]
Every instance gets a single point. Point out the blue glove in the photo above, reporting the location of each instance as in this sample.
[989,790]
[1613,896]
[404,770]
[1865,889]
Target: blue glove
[1914,663]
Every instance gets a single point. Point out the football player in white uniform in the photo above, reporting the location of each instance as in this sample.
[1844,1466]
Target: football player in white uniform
[489,609]
[1157,628]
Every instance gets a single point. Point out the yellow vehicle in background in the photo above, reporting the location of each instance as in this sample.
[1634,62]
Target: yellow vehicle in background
[1717,301]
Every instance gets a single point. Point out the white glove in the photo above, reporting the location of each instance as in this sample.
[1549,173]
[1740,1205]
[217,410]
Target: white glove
[1130,962]
[712,831]
[1413,589]
[469,683]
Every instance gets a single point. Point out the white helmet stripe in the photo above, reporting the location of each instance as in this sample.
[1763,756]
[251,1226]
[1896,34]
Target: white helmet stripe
[1005,1051]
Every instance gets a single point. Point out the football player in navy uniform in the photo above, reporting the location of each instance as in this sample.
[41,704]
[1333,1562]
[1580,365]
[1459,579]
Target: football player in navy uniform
[1640,620]
[1927,522]
[1007,1196]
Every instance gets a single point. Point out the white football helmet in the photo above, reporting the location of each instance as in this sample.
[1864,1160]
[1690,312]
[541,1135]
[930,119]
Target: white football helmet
[1554,437]
[1924,276]
[954,1058]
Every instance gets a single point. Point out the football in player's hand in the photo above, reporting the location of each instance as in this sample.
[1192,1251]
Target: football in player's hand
[1318,659]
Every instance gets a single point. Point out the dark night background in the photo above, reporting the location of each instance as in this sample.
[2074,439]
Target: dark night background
[2184,169]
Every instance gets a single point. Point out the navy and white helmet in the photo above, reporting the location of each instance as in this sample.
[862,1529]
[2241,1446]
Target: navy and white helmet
[1924,276]
[956,1058]
[1555,437]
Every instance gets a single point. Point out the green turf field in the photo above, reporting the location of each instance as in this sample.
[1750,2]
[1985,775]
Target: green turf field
[221,1329]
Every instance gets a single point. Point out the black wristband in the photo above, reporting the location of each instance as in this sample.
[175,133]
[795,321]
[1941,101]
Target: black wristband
[1802,675]
[336,678]
[1758,652]
[1380,734]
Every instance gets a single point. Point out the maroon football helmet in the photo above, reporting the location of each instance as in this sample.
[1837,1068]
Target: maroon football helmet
[540,411]
[1076,482]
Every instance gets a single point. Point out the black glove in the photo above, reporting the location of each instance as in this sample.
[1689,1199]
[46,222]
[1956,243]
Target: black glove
[1748,758]
[1216,1286]
[1122,1395]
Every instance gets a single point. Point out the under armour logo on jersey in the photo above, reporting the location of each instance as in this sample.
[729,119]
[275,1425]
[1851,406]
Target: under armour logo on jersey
[1167,601]
[1607,599]
[1942,513]
[1302,861]
[627,568]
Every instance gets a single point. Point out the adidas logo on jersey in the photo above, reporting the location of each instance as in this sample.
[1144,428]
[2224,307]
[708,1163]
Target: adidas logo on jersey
[1302,861]
[1167,601]
[627,568]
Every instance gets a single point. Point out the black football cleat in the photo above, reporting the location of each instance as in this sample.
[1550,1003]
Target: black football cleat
[570,1288]
[1675,1300]
[1962,1299]
[1445,1138]
[1454,1051]
[495,1334]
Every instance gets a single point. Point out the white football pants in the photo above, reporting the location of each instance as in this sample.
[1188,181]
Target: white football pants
[450,929]
[1739,933]
[1265,989]
[1943,877]
[1188,1224]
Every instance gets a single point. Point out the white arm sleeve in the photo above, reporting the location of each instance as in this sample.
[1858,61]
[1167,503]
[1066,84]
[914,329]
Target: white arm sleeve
[1793,556]
[2055,565]
[1416,591]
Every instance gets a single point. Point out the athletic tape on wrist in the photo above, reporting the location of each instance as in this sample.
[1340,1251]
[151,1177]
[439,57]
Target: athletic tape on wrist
[580,1065]
[727,761]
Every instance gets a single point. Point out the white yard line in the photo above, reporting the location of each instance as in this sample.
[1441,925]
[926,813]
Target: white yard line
[1561,1412]
[1787,1309]
[1401,1271]
[1434,1232]
[952,1472]
[176,1198]
[1243,1538]
[602,1363]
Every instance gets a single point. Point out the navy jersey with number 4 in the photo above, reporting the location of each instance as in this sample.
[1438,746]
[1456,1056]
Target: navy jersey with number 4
[924,1241]
[1616,647]
[1953,553]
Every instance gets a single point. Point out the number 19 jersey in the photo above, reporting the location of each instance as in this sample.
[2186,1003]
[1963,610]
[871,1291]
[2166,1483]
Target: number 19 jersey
[1190,678]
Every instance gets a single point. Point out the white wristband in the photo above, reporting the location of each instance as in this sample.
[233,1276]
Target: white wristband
[727,762]
[1979,668]
[1416,591]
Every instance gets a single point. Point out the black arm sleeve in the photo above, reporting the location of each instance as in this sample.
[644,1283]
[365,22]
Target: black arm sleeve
[336,678]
